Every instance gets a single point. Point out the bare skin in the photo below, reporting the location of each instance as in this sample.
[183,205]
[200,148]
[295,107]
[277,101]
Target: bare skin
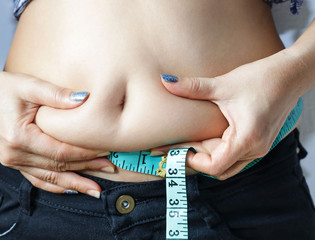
[116,50]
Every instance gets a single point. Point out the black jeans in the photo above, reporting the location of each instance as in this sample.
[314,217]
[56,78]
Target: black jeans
[269,201]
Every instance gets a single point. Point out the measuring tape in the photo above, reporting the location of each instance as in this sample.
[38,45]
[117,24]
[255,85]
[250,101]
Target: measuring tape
[176,196]
[173,168]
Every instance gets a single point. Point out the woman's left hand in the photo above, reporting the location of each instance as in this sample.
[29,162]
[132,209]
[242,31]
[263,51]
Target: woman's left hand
[255,98]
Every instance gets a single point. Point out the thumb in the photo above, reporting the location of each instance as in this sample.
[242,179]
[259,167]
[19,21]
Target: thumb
[225,153]
[44,93]
[192,87]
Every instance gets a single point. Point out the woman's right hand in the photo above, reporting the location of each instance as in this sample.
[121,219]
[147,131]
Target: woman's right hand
[46,162]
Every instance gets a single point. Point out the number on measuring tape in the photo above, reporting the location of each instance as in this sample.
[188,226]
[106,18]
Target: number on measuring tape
[176,210]
[173,233]
[143,162]
[172,183]
[173,202]
[174,152]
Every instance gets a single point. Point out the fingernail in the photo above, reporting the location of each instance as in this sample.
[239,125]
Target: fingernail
[94,193]
[79,96]
[156,153]
[103,154]
[108,169]
[169,78]
[70,192]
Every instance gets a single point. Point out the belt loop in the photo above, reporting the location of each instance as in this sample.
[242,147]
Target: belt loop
[104,199]
[25,196]
[302,151]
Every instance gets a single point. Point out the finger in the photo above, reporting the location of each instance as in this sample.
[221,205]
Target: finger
[206,146]
[224,155]
[44,93]
[158,151]
[194,88]
[100,164]
[43,185]
[203,162]
[222,158]
[66,180]
[235,169]
[41,144]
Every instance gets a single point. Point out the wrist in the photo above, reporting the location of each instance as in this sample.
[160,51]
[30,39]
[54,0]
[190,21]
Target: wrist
[285,73]
[302,53]
[294,70]
[303,68]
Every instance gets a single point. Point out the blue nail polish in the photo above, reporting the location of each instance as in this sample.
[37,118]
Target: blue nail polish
[79,96]
[70,192]
[169,78]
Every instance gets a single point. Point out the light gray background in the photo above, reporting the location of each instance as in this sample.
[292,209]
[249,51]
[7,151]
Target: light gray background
[290,28]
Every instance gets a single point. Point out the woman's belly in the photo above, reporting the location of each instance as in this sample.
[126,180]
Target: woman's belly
[117,50]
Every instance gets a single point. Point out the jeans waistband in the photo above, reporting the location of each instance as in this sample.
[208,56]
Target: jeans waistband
[144,190]
[83,204]
[278,159]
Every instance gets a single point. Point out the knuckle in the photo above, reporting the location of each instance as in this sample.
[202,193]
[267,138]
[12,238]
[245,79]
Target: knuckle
[195,85]
[258,147]
[7,162]
[78,186]
[13,139]
[75,186]
[222,177]
[251,143]
[50,177]
[59,154]
[262,151]
[83,155]
[9,158]
[60,166]
[216,172]
[58,95]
